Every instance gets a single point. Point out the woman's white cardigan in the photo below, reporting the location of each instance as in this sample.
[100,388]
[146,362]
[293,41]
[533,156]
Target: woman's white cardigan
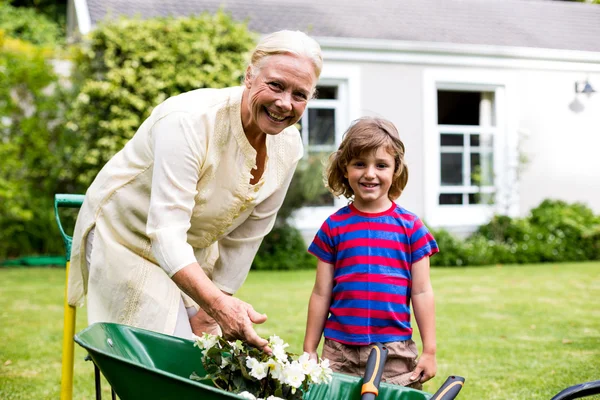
[177,193]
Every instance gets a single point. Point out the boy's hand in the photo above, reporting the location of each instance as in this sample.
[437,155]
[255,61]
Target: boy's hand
[312,355]
[426,368]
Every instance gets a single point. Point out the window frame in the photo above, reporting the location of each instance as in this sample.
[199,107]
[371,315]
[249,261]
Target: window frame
[506,201]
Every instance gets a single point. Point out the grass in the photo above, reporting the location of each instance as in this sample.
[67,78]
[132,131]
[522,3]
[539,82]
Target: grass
[514,332]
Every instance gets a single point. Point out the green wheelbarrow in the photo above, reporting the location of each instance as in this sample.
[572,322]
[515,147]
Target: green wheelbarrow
[141,364]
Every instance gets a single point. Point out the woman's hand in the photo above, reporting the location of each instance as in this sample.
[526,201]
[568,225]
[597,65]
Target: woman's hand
[236,318]
[202,322]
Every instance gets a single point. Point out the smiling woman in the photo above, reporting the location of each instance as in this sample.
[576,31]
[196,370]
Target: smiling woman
[170,225]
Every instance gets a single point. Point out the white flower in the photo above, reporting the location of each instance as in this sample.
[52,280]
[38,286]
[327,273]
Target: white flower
[293,375]
[325,374]
[308,366]
[278,346]
[274,398]
[247,395]
[206,341]
[276,368]
[258,370]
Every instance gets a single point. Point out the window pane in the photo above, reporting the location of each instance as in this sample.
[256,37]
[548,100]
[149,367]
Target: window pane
[447,139]
[451,198]
[482,169]
[486,142]
[481,198]
[321,126]
[327,92]
[458,108]
[474,140]
[451,168]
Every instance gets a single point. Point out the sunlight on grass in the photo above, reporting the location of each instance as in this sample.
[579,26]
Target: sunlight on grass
[514,332]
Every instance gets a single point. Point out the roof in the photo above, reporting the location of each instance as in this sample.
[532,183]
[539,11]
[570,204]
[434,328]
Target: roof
[514,23]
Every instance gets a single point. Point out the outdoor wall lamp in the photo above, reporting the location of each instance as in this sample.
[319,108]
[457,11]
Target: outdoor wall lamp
[584,87]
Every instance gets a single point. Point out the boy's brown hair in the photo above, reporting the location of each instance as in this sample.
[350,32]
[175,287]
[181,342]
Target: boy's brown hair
[365,135]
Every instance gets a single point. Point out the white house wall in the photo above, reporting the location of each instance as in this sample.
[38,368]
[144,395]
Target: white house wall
[561,144]
[394,92]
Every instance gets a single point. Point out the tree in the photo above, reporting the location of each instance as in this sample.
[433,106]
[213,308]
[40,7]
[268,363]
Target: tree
[31,135]
[54,10]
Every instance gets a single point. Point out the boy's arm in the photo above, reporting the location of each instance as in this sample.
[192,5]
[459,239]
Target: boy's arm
[424,308]
[318,308]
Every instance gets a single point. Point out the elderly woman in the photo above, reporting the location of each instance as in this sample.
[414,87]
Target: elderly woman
[170,226]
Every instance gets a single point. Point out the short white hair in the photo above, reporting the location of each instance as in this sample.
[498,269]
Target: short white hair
[292,42]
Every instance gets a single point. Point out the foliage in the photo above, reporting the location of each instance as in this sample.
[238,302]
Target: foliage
[28,25]
[555,231]
[129,66]
[56,10]
[283,249]
[240,368]
[31,135]
[307,187]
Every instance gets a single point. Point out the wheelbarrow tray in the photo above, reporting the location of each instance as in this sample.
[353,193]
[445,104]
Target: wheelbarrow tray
[141,364]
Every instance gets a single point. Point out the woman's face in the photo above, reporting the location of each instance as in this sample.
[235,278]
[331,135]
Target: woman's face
[277,94]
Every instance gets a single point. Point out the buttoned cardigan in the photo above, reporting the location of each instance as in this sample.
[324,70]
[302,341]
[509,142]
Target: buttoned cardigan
[177,193]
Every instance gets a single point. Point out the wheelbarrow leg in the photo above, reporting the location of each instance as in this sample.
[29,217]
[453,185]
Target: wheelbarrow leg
[97,382]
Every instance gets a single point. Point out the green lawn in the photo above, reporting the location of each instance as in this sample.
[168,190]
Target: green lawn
[514,332]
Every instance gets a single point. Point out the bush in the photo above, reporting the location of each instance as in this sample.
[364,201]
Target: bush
[32,166]
[555,231]
[127,67]
[452,252]
[283,249]
[27,25]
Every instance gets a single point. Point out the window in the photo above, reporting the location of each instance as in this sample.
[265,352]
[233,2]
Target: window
[466,135]
[469,148]
[318,124]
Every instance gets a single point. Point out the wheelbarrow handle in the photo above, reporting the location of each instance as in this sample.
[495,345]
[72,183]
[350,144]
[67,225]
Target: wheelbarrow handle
[578,391]
[66,201]
[373,372]
[449,390]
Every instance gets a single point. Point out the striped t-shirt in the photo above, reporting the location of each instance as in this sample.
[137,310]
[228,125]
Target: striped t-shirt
[372,256]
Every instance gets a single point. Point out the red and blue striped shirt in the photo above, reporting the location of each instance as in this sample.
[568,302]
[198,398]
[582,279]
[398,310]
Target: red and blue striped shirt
[372,256]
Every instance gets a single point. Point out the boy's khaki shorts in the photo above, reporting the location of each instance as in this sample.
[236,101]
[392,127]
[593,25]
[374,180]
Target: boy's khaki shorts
[351,360]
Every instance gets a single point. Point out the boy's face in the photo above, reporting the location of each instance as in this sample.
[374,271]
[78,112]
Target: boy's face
[370,176]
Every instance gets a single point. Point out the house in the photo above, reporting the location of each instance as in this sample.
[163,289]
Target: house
[493,98]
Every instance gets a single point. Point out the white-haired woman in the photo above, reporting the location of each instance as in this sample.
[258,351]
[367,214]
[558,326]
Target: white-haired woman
[170,226]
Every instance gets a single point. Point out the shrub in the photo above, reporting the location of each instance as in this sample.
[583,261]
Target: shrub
[31,132]
[283,249]
[452,252]
[27,25]
[555,231]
